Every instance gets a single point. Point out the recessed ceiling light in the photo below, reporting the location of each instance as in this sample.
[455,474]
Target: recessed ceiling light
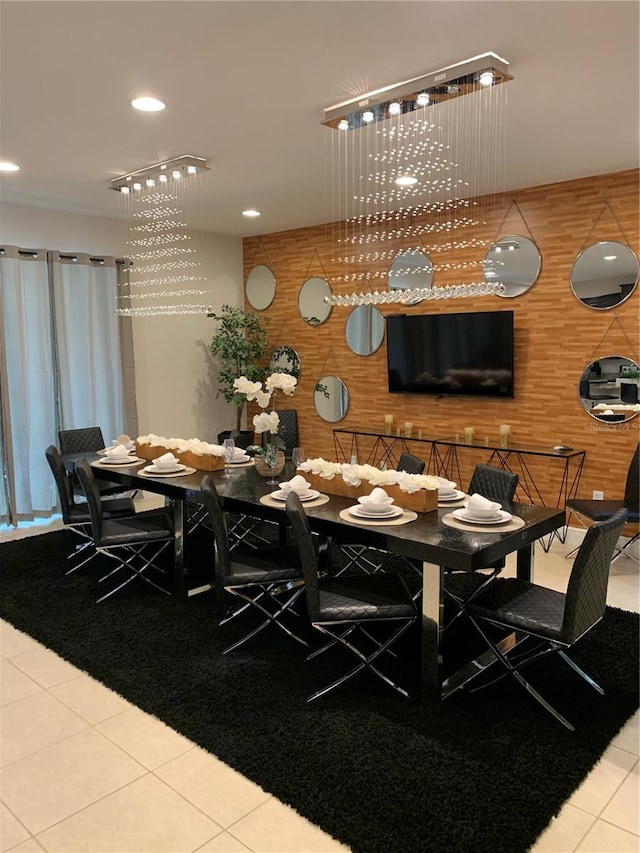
[406,181]
[147,105]
[610,257]
[5,166]
[251,212]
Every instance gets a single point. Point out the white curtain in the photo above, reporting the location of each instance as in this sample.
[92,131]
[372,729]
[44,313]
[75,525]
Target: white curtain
[88,343]
[27,384]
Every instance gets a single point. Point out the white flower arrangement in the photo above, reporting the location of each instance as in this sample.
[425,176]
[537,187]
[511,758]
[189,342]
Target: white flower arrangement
[194,445]
[354,475]
[266,421]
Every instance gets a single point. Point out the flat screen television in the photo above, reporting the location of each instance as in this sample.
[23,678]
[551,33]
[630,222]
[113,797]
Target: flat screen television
[463,354]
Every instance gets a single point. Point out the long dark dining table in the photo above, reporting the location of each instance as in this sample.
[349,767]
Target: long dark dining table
[427,539]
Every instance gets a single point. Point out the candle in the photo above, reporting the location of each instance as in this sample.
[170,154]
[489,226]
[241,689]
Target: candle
[468,435]
[419,433]
[408,428]
[505,430]
[388,423]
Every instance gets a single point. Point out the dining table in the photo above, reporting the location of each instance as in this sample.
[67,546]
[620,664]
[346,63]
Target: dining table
[431,540]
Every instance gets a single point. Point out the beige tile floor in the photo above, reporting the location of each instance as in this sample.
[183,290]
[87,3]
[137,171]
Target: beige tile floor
[84,771]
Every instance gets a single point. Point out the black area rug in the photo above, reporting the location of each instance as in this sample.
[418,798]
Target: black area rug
[485,772]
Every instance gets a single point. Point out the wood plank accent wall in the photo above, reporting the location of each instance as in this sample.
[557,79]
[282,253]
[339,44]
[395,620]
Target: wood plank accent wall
[555,335]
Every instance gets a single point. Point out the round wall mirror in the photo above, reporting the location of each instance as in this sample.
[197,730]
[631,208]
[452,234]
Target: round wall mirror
[364,329]
[331,399]
[284,359]
[260,287]
[313,309]
[513,261]
[609,389]
[604,275]
[409,269]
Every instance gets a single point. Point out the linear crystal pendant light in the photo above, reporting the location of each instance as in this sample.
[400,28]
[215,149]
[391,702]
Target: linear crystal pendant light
[163,271]
[415,169]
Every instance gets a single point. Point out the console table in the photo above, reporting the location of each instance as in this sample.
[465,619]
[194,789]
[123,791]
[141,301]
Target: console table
[380,449]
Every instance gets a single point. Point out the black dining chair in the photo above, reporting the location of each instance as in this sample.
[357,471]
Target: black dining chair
[591,510]
[410,463]
[365,614]
[86,440]
[288,430]
[76,516]
[134,542]
[269,581]
[546,621]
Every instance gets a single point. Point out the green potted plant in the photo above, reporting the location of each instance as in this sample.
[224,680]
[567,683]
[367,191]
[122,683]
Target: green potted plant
[240,347]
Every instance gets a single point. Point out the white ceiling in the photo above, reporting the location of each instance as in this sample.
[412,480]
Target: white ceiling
[245,85]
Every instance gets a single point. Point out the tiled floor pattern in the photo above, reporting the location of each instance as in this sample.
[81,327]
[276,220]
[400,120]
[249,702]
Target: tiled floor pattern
[84,771]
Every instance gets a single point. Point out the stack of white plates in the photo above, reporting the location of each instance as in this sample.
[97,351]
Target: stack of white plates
[500,517]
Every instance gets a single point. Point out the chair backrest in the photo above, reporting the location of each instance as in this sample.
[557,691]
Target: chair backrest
[411,464]
[215,510]
[241,438]
[495,484]
[92,494]
[63,481]
[629,393]
[306,551]
[587,589]
[288,430]
[632,488]
[84,440]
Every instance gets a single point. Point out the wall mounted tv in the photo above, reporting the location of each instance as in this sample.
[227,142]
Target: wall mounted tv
[464,354]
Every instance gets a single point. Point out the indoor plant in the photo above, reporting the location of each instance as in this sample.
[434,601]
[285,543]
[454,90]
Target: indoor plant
[240,345]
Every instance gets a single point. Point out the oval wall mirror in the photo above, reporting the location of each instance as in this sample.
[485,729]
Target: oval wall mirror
[609,389]
[313,309]
[604,275]
[514,261]
[260,287]
[284,359]
[409,269]
[331,399]
[364,329]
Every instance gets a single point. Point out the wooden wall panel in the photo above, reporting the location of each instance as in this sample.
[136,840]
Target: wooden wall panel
[556,336]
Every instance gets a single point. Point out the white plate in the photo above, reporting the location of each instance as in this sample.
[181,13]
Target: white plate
[151,469]
[309,495]
[454,496]
[240,460]
[129,460]
[360,512]
[463,515]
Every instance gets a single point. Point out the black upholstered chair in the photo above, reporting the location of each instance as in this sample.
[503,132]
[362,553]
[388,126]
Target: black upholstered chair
[498,485]
[86,440]
[628,393]
[134,542]
[546,621]
[76,515]
[288,430]
[270,581]
[601,510]
[411,464]
[355,611]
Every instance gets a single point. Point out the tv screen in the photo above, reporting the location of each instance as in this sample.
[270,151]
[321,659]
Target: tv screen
[451,354]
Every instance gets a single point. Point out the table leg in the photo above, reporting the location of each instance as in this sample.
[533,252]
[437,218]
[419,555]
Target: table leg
[525,559]
[432,628]
[178,565]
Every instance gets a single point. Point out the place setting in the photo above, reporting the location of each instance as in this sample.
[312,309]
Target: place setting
[118,454]
[482,516]
[377,509]
[448,495]
[309,497]
[240,459]
[166,466]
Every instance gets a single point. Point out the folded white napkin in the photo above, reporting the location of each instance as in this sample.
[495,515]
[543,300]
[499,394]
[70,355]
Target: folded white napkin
[445,486]
[295,484]
[239,453]
[477,503]
[167,460]
[120,451]
[378,497]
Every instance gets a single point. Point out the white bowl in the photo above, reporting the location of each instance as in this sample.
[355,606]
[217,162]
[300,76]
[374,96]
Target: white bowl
[488,512]
[298,488]
[375,506]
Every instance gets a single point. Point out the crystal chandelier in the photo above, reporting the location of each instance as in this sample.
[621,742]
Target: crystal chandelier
[414,171]
[163,273]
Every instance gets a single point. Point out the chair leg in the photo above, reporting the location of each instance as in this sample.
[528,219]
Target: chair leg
[271,617]
[623,551]
[574,666]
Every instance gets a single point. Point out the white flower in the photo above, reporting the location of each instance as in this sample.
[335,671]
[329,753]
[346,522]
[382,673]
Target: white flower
[262,398]
[321,467]
[283,382]
[266,422]
[242,385]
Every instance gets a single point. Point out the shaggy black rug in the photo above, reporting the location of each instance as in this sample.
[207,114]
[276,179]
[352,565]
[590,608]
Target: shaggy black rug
[484,772]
